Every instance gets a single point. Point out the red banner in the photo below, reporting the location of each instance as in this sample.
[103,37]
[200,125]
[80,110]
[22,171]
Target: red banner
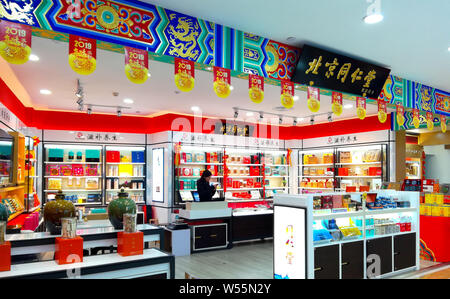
[382,109]
[82,54]
[430,124]
[313,99]
[222,81]
[416,118]
[361,107]
[256,88]
[136,65]
[15,42]
[336,103]
[287,93]
[400,114]
[184,74]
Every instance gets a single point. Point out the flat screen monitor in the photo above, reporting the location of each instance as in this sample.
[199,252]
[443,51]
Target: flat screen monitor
[186,196]
[196,196]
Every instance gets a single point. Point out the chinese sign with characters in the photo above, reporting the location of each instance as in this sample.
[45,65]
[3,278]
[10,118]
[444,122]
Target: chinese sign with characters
[325,69]
[97,137]
[224,128]
[338,140]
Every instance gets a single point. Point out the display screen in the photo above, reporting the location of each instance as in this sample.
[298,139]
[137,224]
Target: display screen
[158,174]
[289,243]
[196,196]
[186,196]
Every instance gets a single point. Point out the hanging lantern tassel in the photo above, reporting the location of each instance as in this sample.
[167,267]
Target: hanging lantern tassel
[361,107]
[336,103]
[222,82]
[287,94]
[443,123]
[256,88]
[313,99]
[15,42]
[382,112]
[136,65]
[416,118]
[430,124]
[184,74]
[400,115]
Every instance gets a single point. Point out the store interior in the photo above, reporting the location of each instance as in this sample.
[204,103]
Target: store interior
[355,186]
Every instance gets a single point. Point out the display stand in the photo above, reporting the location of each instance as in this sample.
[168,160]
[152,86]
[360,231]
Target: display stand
[5,256]
[130,243]
[69,251]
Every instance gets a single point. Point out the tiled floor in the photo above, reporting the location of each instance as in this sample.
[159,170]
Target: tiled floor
[254,261]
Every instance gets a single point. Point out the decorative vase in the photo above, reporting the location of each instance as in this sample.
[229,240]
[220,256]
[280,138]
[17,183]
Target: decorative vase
[55,210]
[119,206]
[4,213]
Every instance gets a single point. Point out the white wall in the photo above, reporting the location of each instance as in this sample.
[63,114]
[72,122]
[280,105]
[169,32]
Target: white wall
[437,164]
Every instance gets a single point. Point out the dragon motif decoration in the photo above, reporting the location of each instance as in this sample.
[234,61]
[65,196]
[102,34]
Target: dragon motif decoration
[183,38]
[14,12]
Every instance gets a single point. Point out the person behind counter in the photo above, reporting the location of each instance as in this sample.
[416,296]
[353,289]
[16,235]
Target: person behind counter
[204,189]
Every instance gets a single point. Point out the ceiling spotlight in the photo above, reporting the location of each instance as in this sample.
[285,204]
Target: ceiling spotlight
[119,112]
[128,101]
[330,117]
[148,74]
[80,101]
[45,91]
[261,116]
[249,114]
[312,120]
[294,122]
[296,98]
[348,106]
[280,119]
[231,87]
[236,113]
[373,18]
[448,49]
[34,57]
[195,108]
[89,110]
[300,119]
[80,107]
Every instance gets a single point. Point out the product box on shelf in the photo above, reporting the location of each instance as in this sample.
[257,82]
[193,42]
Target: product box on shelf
[92,155]
[112,156]
[137,157]
[55,155]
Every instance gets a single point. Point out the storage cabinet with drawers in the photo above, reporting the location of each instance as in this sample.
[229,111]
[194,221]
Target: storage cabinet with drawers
[209,236]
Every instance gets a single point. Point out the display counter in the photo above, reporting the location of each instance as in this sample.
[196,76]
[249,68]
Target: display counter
[252,224]
[434,238]
[346,235]
[153,263]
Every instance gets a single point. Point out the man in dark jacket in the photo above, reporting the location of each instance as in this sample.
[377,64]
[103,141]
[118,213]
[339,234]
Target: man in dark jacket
[205,190]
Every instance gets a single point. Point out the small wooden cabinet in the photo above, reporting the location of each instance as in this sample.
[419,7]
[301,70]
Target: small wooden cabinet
[379,249]
[209,236]
[404,251]
[326,262]
[352,260]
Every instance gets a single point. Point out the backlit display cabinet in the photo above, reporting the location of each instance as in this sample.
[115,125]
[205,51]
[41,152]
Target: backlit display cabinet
[75,169]
[125,168]
[32,196]
[352,168]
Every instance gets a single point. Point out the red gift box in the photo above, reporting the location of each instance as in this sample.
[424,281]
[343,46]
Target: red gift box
[5,256]
[343,171]
[130,243]
[113,156]
[246,160]
[258,185]
[254,171]
[69,251]
[374,171]
[229,183]
[250,183]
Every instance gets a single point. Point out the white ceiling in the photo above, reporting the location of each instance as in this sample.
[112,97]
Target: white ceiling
[52,72]
[413,39]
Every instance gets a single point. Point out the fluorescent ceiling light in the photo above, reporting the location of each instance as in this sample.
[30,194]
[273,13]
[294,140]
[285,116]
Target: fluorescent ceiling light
[34,57]
[45,91]
[373,18]
[348,106]
[128,101]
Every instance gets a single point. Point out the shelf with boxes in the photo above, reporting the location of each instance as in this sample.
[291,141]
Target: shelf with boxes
[360,168]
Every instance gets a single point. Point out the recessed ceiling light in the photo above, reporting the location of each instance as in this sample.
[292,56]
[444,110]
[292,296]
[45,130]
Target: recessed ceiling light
[296,98]
[449,49]
[34,57]
[300,119]
[249,114]
[195,108]
[148,74]
[373,18]
[348,106]
[209,68]
[45,91]
[231,87]
[128,101]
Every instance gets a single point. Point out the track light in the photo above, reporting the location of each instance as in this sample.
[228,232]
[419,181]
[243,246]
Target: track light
[89,110]
[119,112]
[312,120]
[261,116]
[280,120]
[236,113]
[294,123]
[330,117]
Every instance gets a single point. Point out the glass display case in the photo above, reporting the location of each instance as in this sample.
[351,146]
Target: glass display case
[6,158]
[76,170]
[316,171]
[125,168]
[413,168]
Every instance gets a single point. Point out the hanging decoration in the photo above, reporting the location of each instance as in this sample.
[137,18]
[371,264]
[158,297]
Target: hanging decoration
[400,114]
[36,141]
[336,103]
[430,125]
[15,42]
[361,107]
[256,88]
[382,111]
[443,123]
[222,82]
[82,54]
[313,99]
[177,150]
[136,65]
[287,94]
[416,118]
[184,74]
